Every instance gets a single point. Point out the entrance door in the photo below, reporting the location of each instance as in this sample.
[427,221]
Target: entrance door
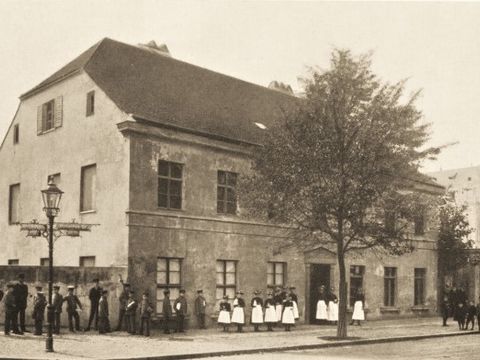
[319,275]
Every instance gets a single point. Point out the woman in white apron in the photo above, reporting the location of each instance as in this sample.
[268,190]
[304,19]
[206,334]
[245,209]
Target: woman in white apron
[322,313]
[270,313]
[295,302]
[257,311]
[224,315]
[288,318]
[332,307]
[277,298]
[358,308]
[238,315]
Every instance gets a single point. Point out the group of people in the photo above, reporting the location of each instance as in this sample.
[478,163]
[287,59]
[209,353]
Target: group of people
[279,307]
[327,306]
[456,305]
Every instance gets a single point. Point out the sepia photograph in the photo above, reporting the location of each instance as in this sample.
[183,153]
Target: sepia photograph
[239,180]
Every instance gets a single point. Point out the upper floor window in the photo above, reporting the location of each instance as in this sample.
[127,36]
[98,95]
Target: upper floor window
[87,261]
[276,274]
[50,115]
[14,204]
[390,221]
[90,103]
[226,196]
[87,187]
[16,133]
[419,224]
[170,176]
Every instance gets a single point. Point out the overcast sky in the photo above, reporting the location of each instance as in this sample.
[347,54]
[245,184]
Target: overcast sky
[435,45]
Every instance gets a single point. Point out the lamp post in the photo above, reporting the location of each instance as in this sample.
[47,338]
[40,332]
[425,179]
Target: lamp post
[51,201]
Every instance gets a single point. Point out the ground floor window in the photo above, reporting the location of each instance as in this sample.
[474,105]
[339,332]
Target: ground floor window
[276,274]
[419,286]
[356,281]
[13,262]
[87,261]
[390,286]
[44,261]
[169,276]
[226,279]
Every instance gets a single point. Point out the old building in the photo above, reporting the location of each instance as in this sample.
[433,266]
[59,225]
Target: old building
[150,148]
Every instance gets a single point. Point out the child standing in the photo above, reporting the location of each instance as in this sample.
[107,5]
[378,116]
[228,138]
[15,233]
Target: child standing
[288,317]
[270,313]
[238,315]
[257,311]
[39,304]
[146,310]
[224,315]
[471,313]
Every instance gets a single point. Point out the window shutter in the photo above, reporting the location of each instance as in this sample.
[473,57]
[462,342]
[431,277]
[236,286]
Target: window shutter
[58,119]
[39,119]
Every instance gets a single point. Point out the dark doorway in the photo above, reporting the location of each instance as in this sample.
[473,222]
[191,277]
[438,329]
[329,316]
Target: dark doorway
[319,275]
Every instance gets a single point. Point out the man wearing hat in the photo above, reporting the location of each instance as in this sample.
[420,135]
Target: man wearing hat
[200,307]
[72,303]
[39,304]
[123,303]
[103,321]
[130,313]
[20,292]
[180,307]
[94,295]
[166,311]
[57,303]
[10,310]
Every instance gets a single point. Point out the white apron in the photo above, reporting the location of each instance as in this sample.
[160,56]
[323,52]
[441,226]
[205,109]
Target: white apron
[358,313]
[287,317]
[278,310]
[224,317]
[332,311]
[270,314]
[321,310]
[238,315]
[295,310]
[257,314]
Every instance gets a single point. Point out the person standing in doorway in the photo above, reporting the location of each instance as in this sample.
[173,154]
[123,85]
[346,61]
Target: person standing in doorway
[57,302]
[20,292]
[358,307]
[94,295]
[322,310]
[180,307]
[200,307]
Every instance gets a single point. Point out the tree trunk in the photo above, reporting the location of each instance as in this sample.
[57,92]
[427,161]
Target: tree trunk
[342,306]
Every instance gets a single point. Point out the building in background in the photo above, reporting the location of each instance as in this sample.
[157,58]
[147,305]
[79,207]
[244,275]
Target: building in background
[151,148]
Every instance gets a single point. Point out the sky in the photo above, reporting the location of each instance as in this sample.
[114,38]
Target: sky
[434,45]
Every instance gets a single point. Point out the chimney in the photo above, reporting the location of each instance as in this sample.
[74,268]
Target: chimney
[152,46]
[280,86]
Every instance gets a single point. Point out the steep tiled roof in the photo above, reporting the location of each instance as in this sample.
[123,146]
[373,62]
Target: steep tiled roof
[167,91]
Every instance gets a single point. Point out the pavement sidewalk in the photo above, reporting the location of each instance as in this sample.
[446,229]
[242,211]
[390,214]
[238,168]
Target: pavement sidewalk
[213,342]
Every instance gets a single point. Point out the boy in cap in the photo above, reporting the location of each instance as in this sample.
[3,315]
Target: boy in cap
[123,303]
[39,304]
[180,307]
[166,311]
[130,313]
[238,315]
[257,311]
[20,292]
[103,321]
[200,307]
[57,302]
[72,303]
[94,295]
[146,310]
[10,310]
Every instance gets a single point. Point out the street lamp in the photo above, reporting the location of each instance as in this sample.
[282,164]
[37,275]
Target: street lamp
[51,201]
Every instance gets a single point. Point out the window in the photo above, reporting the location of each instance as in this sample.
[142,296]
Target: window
[169,276]
[390,220]
[13,262]
[14,204]
[44,262]
[16,133]
[419,224]
[87,261]
[419,286]
[55,178]
[226,279]
[356,281]
[170,185]
[50,115]
[276,274]
[90,103]
[226,197]
[87,187]
[390,280]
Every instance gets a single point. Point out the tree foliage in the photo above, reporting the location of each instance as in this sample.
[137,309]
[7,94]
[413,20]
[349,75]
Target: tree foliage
[342,159]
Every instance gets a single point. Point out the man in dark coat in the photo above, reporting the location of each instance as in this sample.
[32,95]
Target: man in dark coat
[445,309]
[103,321]
[122,303]
[10,310]
[131,313]
[20,291]
[200,307]
[166,311]
[57,302]
[39,304]
[180,307]
[146,310]
[72,303]
[94,295]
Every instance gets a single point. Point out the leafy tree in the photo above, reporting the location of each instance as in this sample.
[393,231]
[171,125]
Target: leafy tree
[453,241]
[340,161]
